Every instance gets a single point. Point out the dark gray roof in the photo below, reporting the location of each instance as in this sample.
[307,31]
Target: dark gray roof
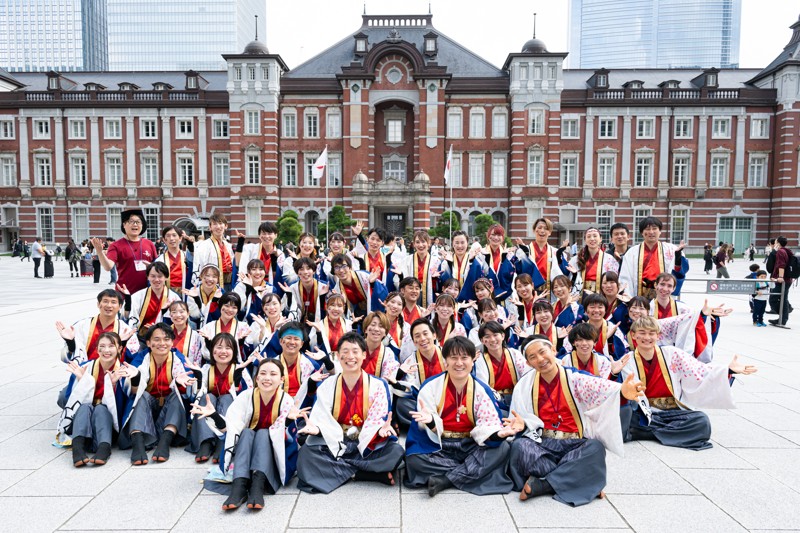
[459,61]
[37,81]
[727,78]
[4,75]
[789,55]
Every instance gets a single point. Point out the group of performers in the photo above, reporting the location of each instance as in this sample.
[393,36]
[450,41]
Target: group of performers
[508,368]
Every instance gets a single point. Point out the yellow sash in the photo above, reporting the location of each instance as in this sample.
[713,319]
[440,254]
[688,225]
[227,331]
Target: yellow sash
[338,395]
[314,295]
[232,329]
[206,299]
[187,340]
[566,393]
[146,304]
[553,335]
[662,364]
[96,373]
[356,280]
[469,395]
[659,256]
[423,294]
[421,364]
[93,325]
[297,370]
[447,331]
[460,268]
[153,370]
[595,361]
[512,368]
[180,262]
[379,363]
[276,408]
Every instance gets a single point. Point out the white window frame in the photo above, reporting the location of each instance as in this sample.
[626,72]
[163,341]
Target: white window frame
[499,170]
[184,168]
[333,172]
[149,169]
[643,170]
[757,170]
[80,223]
[43,169]
[394,131]
[289,124]
[570,128]
[536,122]
[221,170]
[41,128]
[114,220]
[144,125]
[499,123]
[568,170]
[607,128]
[184,128]
[252,217]
[308,171]
[681,164]
[606,170]
[237,73]
[721,128]
[536,167]
[78,170]
[252,122]
[112,128]
[676,236]
[289,166]
[395,169]
[252,168]
[45,228]
[759,127]
[645,127]
[455,123]
[77,128]
[477,123]
[220,128]
[605,219]
[113,164]
[7,129]
[152,217]
[683,128]
[311,123]
[639,214]
[8,169]
[456,171]
[333,124]
[477,178]
[718,170]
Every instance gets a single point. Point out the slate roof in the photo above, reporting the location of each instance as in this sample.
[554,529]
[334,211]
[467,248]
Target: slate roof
[459,61]
[37,81]
[727,78]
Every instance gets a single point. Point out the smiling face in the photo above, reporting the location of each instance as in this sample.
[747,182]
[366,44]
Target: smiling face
[495,238]
[452,290]
[544,318]
[592,239]
[651,235]
[335,309]
[269,378]
[596,312]
[375,332]
[619,237]
[159,343]
[351,356]
[133,226]
[222,353]
[305,274]
[374,242]
[179,316]
[541,356]
[257,274]
[420,245]
[637,312]
[645,338]
[108,306]
[157,280]
[228,312]
[493,341]
[272,307]
[209,279]
[217,229]
[411,293]
[583,346]
[610,288]
[481,292]
[541,231]
[458,365]
[394,306]
[460,245]
[423,338]
[336,246]
[291,344]
[561,291]
[342,272]
[444,311]
[306,246]
[172,239]
[107,351]
[267,238]
[664,288]
[524,290]
[489,314]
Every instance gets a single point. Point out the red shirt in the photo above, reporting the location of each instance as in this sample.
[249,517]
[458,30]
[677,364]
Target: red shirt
[656,385]
[421,269]
[410,316]
[175,271]
[588,366]
[541,258]
[451,420]
[664,312]
[502,374]
[309,302]
[265,413]
[227,264]
[222,384]
[352,406]
[294,382]
[496,259]
[223,327]
[352,293]
[432,367]
[650,268]
[99,385]
[91,351]
[376,262]
[591,268]
[267,260]
[557,310]
[371,362]
[160,388]
[124,254]
[334,333]
[552,404]
[153,309]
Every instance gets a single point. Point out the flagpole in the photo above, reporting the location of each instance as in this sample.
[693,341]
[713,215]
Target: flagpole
[451,201]
[327,209]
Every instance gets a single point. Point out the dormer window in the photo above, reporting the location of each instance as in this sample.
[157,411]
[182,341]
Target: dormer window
[671,84]
[602,81]
[635,84]
[91,86]
[431,45]
[711,80]
[599,79]
[125,87]
[160,86]
[53,83]
[191,82]
[361,43]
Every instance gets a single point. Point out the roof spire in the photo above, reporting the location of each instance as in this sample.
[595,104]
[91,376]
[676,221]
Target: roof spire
[365,10]
[534,25]
[429,9]
[257,27]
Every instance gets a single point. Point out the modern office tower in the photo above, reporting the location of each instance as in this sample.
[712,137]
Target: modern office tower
[61,35]
[180,34]
[654,33]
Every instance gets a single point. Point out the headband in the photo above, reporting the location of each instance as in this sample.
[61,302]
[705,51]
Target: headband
[293,332]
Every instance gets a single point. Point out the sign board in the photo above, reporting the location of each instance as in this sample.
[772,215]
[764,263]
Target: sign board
[731,286]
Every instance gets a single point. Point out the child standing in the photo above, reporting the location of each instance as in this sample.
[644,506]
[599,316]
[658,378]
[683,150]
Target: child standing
[760,299]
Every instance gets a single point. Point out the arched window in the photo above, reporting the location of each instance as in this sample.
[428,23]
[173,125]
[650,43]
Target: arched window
[472,227]
[312,222]
[500,218]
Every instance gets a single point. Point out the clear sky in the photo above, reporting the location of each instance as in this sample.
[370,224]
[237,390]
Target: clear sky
[301,29]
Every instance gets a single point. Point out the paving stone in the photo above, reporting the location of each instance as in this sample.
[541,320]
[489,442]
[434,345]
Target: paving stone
[752,498]
[652,475]
[10,477]
[770,416]
[422,514]
[646,514]
[13,393]
[793,436]
[326,510]
[205,513]
[737,432]
[783,466]
[11,425]
[162,496]
[789,400]
[546,512]
[34,515]
[716,457]
[29,449]
[41,404]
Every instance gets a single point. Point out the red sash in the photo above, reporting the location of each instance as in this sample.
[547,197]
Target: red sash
[335,332]
[352,293]
[265,413]
[352,405]
[497,258]
[542,259]
[151,314]
[266,259]
[225,257]
[650,267]
[502,374]
[293,378]
[656,384]
[370,364]
[591,268]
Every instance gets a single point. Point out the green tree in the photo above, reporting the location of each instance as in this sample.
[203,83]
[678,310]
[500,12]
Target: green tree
[289,228]
[482,223]
[338,220]
[443,225]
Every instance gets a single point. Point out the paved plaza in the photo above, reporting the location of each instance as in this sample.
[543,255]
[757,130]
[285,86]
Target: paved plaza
[749,480]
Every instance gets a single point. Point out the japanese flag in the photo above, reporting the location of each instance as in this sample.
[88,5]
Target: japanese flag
[448,165]
[319,165]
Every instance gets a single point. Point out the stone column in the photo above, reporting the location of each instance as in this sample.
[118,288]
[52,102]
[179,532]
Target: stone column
[130,157]
[94,169]
[625,184]
[588,158]
[663,158]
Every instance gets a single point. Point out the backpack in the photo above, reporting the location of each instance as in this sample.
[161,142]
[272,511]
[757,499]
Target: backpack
[793,268]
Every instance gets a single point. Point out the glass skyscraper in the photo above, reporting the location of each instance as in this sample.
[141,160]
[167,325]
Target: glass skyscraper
[181,34]
[654,33]
[62,35]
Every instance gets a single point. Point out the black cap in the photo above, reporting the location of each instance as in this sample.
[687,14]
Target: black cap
[128,213]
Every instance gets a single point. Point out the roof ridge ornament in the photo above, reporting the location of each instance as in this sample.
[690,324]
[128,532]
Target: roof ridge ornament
[394,35]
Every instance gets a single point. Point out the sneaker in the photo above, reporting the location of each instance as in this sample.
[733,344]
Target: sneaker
[761,325]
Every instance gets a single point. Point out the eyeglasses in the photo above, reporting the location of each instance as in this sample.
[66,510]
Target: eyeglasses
[133,222]
[340,268]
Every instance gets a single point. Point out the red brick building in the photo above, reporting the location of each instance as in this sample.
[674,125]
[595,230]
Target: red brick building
[713,153]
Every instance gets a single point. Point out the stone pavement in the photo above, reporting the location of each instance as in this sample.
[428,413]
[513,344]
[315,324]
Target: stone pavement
[749,480]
